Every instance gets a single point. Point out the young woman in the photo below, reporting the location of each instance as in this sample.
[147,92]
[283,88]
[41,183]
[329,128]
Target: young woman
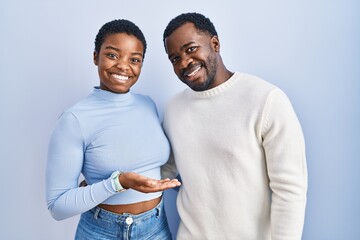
[114,138]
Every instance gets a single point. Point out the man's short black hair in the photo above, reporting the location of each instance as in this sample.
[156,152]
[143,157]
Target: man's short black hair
[119,26]
[201,23]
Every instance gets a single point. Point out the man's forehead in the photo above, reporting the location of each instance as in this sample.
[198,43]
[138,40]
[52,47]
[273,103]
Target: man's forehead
[184,34]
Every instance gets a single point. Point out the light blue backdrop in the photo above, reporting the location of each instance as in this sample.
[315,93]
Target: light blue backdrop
[310,49]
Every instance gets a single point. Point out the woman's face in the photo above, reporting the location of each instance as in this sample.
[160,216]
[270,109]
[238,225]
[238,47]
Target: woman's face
[119,62]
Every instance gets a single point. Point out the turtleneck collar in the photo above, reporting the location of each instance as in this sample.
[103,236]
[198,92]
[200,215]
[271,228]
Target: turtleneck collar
[110,96]
[216,90]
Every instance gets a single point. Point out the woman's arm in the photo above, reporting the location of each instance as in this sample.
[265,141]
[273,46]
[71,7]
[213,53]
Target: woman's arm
[64,164]
[65,161]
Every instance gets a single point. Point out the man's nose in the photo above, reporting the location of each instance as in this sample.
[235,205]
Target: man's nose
[185,61]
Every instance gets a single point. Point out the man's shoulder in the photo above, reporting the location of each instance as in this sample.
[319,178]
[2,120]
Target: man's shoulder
[253,87]
[175,102]
[254,81]
[178,97]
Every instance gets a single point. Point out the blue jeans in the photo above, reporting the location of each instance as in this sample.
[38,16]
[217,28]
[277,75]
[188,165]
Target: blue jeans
[98,223]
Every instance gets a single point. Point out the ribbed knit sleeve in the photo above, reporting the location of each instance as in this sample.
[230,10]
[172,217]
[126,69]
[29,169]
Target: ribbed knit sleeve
[284,148]
[65,160]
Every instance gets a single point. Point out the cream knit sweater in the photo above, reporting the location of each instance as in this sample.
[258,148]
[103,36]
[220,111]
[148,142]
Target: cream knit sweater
[240,152]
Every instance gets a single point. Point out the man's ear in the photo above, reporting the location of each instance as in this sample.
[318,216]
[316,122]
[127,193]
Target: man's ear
[215,43]
[96,57]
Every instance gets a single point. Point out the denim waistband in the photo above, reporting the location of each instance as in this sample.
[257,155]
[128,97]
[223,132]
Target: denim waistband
[124,217]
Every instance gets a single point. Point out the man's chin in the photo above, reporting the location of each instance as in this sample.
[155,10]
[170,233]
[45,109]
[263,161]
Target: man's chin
[199,87]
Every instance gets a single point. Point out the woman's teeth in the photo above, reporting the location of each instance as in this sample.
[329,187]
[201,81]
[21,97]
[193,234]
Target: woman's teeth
[121,77]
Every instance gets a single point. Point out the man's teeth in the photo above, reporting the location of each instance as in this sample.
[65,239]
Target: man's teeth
[194,72]
[121,77]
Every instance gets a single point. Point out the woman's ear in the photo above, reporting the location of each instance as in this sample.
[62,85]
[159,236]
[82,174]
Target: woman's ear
[215,43]
[96,57]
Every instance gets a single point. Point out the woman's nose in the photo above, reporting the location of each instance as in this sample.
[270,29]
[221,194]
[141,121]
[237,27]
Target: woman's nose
[122,64]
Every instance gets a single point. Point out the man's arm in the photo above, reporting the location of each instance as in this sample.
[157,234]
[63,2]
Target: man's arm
[284,147]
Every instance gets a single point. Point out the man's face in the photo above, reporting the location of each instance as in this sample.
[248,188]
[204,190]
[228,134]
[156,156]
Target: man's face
[194,56]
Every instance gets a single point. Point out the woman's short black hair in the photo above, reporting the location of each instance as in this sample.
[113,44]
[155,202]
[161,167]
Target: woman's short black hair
[119,26]
[201,23]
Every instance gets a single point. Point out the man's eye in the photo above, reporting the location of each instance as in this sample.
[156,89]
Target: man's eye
[191,49]
[174,60]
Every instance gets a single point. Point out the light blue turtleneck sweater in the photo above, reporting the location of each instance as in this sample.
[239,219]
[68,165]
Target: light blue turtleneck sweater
[98,135]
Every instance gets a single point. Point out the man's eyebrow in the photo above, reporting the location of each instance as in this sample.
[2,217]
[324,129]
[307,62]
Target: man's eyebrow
[185,45]
[182,47]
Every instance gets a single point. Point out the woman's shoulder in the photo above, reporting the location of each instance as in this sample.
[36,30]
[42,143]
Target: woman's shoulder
[143,98]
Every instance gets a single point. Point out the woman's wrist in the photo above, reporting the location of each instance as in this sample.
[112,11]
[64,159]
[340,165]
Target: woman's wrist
[115,177]
[123,180]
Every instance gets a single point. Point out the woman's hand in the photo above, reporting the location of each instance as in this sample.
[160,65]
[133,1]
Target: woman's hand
[146,185]
[143,184]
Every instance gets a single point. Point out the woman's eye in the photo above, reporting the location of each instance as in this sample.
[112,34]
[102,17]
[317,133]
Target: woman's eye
[136,60]
[112,55]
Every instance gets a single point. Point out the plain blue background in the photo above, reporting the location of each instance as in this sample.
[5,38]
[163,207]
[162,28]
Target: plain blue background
[310,49]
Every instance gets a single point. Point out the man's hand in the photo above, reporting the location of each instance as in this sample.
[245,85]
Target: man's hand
[146,185]
[143,184]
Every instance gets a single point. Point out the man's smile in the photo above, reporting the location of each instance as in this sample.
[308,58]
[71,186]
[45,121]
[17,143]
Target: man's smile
[192,71]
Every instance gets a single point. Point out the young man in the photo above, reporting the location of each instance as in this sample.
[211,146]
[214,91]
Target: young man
[236,143]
